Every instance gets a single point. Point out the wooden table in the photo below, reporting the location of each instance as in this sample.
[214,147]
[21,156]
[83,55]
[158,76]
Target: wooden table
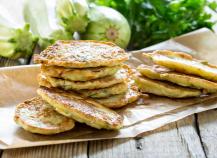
[194,136]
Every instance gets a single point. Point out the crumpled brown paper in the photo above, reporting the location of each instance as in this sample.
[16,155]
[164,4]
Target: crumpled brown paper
[19,83]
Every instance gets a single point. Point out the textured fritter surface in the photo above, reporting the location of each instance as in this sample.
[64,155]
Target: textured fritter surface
[164,89]
[184,63]
[83,74]
[119,77]
[37,116]
[105,92]
[120,100]
[81,109]
[152,72]
[162,73]
[80,54]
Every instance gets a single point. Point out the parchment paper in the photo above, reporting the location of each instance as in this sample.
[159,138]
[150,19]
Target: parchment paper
[19,83]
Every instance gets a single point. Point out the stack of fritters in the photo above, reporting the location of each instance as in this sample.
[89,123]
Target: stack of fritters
[176,75]
[93,69]
[79,80]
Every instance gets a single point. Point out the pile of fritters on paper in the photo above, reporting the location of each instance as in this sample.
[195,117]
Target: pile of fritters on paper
[85,81]
[81,81]
[176,75]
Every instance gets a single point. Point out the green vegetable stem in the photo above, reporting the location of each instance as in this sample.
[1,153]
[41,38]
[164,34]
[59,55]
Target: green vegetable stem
[72,14]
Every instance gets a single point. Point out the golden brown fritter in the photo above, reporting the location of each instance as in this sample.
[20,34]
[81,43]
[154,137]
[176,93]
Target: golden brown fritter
[119,88]
[74,74]
[152,72]
[119,77]
[184,63]
[164,89]
[162,73]
[37,116]
[81,109]
[81,54]
[120,100]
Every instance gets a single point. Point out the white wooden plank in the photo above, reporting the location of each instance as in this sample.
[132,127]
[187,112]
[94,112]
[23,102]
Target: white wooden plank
[174,140]
[75,150]
[208,131]
[189,135]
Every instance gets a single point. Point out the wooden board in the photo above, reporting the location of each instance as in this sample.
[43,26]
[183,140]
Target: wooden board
[179,139]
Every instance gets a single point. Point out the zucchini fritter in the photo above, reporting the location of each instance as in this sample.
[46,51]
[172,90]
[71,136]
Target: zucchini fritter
[81,54]
[78,74]
[108,81]
[37,116]
[164,89]
[152,72]
[105,92]
[120,100]
[81,109]
[184,63]
[162,73]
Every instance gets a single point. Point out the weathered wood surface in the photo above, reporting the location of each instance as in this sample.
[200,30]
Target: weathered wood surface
[55,151]
[194,137]
[174,140]
[208,132]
